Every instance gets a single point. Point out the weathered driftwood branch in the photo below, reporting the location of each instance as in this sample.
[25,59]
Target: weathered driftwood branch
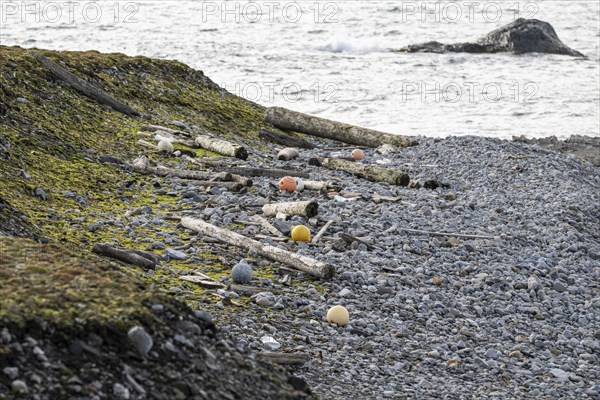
[318,236]
[370,172]
[322,186]
[142,165]
[85,87]
[284,358]
[266,225]
[155,128]
[299,262]
[253,289]
[349,239]
[222,147]
[125,255]
[294,121]
[458,235]
[268,172]
[288,154]
[306,209]
[232,186]
[285,140]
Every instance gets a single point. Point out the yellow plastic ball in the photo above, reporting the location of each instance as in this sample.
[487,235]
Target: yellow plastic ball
[300,233]
[338,315]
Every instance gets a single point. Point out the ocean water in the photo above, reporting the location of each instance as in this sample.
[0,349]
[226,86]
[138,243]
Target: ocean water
[333,58]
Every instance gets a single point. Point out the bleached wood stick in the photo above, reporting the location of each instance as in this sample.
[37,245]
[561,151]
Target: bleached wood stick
[297,261]
[322,232]
[267,225]
[186,142]
[154,128]
[459,235]
[268,172]
[321,186]
[306,209]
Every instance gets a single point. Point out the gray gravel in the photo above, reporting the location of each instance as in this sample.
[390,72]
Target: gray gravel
[430,317]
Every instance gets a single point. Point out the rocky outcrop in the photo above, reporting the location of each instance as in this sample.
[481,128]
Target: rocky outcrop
[519,37]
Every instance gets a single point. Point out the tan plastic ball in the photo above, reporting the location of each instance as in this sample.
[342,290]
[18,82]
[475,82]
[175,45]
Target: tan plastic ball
[338,315]
[358,154]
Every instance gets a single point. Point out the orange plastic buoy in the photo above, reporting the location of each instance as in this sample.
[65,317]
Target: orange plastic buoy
[358,154]
[287,184]
[338,315]
[301,233]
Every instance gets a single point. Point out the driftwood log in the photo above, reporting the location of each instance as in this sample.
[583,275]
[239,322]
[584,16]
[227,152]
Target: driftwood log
[350,239]
[232,186]
[267,172]
[285,140]
[288,154]
[85,87]
[294,121]
[299,262]
[134,257]
[370,172]
[458,235]
[222,147]
[306,209]
[142,165]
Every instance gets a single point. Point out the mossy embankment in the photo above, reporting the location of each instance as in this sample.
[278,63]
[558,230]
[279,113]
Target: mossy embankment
[55,139]
[64,184]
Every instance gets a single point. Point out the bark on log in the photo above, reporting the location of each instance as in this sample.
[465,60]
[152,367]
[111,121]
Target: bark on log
[288,154]
[299,262]
[268,172]
[370,172]
[124,255]
[284,358]
[222,147]
[285,140]
[85,87]
[142,165]
[306,209]
[294,121]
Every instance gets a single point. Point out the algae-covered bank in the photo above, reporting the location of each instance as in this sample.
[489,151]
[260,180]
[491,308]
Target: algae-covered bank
[65,314]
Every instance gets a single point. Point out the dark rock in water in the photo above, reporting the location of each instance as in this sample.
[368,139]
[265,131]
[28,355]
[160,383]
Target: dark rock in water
[519,37]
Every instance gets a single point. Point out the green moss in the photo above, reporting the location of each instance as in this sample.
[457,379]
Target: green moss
[56,285]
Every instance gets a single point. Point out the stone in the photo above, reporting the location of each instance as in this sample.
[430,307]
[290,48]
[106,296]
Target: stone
[165,146]
[40,193]
[242,273]
[559,287]
[19,386]
[11,372]
[519,37]
[141,340]
[176,254]
[121,392]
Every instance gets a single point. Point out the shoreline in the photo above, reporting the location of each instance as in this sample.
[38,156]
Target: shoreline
[429,315]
